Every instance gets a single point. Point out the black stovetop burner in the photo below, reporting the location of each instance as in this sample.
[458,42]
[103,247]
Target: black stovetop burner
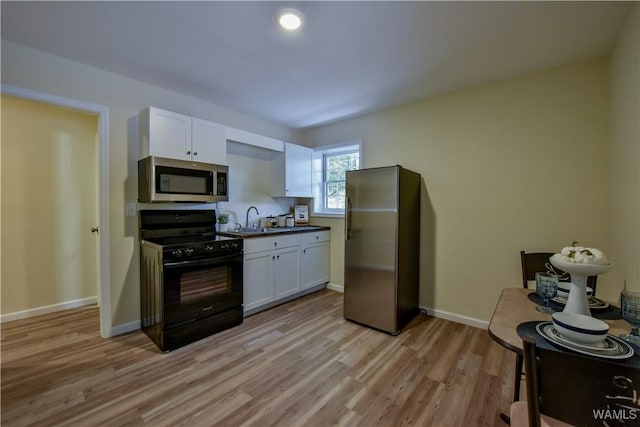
[188,239]
[184,235]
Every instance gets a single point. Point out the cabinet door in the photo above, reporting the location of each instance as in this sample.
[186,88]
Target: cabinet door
[209,143]
[169,134]
[315,265]
[258,279]
[297,170]
[287,272]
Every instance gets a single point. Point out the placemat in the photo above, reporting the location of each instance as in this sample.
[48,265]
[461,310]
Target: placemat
[610,313]
[529,329]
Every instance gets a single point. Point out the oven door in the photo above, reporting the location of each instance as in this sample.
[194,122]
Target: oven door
[198,289]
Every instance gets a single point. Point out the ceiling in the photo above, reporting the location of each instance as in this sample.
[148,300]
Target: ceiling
[349,59]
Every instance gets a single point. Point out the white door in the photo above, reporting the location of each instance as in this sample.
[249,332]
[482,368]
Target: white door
[298,170]
[49,205]
[169,134]
[287,272]
[258,279]
[209,142]
[315,265]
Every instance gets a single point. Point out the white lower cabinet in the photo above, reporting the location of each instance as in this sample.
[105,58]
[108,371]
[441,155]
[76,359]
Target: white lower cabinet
[314,259]
[258,280]
[287,272]
[315,265]
[279,267]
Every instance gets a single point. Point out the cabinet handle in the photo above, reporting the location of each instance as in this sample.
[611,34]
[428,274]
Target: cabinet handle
[278,257]
[275,243]
[195,153]
[317,237]
[189,152]
[304,251]
[273,258]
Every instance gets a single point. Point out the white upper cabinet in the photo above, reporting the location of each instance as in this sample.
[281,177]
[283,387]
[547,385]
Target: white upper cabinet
[292,172]
[176,136]
[208,142]
[165,134]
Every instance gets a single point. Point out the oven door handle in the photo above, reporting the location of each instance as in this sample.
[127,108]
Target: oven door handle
[203,263]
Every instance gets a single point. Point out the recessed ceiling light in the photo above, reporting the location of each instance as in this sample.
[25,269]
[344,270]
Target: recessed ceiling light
[289,19]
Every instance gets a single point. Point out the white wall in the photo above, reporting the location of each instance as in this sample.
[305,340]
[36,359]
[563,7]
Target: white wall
[520,164]
[34,70]
[624,157]
[250,170]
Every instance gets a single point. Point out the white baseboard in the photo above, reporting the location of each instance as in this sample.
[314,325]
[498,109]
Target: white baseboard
[335,287]
[24,314]
[125,328]
[458,318]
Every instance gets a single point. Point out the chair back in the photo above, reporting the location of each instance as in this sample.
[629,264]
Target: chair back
[579,389]
[534,262]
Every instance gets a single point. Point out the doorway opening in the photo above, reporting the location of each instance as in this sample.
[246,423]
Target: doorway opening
[54,204]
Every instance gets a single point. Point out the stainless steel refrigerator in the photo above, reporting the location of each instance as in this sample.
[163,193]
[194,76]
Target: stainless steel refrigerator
[382,247]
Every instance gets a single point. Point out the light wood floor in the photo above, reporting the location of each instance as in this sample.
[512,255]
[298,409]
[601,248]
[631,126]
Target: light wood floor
[294,365]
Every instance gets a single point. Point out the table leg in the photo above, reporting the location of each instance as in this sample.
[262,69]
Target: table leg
[516,381]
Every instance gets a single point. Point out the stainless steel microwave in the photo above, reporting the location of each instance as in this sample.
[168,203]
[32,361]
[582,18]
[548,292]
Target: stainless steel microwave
[169,180]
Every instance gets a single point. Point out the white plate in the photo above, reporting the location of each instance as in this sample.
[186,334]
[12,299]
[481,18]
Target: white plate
[606,346]
[594,303]
[625,350]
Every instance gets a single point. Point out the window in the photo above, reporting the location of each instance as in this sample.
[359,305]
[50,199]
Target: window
[330,167]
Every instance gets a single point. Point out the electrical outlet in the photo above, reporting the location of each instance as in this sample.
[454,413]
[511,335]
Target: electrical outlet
[132,209]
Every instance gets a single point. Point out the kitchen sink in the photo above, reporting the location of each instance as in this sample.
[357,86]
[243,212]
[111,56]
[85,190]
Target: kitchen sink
[259,230]
[250,231]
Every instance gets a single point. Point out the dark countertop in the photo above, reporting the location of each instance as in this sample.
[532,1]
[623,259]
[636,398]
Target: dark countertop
[273,231]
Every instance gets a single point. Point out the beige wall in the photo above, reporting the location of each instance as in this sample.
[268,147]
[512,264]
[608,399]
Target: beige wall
[516,164]
[34,70]
[48,205]
[624,162]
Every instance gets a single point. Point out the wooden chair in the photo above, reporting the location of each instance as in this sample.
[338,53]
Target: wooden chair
[575,389]
[533,262]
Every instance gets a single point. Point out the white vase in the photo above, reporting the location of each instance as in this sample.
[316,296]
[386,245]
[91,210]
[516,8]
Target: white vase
[222,227]
[578,301]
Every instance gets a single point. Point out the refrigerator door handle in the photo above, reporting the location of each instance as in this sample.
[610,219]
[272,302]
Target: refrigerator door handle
[347,220]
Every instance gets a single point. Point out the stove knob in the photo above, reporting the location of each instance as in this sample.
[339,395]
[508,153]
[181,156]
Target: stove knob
[177,253]
[224,246]
[188,252]
[235,245]
[208,249]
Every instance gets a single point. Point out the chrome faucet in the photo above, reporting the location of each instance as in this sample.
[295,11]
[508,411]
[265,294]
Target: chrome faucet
[257,213]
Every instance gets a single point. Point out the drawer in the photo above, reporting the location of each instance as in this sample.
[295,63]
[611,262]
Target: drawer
[314,237]
[259,244]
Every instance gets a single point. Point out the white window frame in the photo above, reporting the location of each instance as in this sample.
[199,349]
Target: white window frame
[319,175]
